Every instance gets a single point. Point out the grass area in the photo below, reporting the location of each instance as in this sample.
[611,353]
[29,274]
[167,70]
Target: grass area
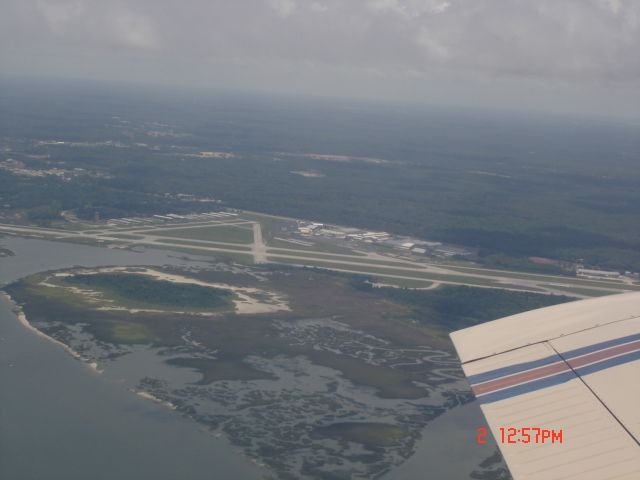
[242,258]
[192,243]
[267,223]
[370,434]
[402,283]
[43,304]
[131,333]
[387,275]
[388,382]
[382,272]
[32,286]
[137,228]
[339,257]
[270,224]
[234,337]
[544,278]
[318,246]
[402,318]
[213,370]
[36,230]
[586,291]
[91,241]
[456,307]
[124,236]
[135,290]
[222,233]
[44,236]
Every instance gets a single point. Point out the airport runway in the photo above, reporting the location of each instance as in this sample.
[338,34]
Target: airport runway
[371,264]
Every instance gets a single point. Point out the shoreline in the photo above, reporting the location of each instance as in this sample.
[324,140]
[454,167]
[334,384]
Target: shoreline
[150,397]
[247,301]
[22,318]
[93,366]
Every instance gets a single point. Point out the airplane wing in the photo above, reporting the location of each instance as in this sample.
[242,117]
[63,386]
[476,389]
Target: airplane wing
[560,388]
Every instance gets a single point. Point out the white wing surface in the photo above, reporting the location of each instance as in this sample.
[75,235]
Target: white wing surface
[572,368]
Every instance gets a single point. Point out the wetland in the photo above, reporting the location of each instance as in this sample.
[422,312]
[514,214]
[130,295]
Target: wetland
[309,374]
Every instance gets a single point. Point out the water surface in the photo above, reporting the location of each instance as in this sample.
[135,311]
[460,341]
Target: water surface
[61,420]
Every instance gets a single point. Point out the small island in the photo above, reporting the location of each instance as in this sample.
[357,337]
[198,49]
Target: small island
[311,373]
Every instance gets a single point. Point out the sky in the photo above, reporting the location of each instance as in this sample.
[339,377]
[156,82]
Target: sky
[565,56]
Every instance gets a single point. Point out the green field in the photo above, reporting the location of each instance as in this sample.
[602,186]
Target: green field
[367,433]
[404,283]
[223,233]
[340,257]
[318,246]
[192,243]
[243,258]
[373,340]
[545,278]
[585,291]
[382,272]
[554,197]
[214,370]
[388,382]
[267,223]
[123,236]
[456,307]
[136,290]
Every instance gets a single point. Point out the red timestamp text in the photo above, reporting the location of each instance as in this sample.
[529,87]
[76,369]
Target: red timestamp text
[524,435]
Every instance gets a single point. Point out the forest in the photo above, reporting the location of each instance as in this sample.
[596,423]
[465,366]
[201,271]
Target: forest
[511,185]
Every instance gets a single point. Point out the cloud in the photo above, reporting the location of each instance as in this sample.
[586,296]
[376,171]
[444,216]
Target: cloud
[284,8]
[586,40]
[410,8]
[87,24]
[548,43]
[433,46]
[134,31]
[318,7]
[60,16]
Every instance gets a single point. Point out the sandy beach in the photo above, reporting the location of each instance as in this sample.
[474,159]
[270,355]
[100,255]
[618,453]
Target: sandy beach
[22,318]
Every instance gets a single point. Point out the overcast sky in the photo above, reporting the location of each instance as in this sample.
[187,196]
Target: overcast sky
[575,56]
